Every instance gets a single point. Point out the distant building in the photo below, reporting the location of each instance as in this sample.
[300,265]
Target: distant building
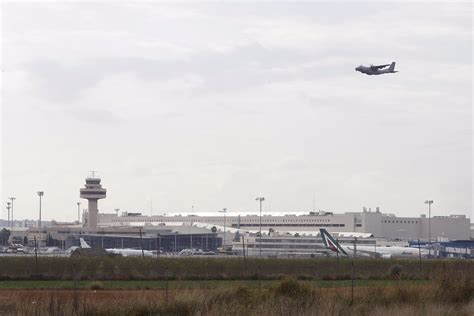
[379,224]
[169,239]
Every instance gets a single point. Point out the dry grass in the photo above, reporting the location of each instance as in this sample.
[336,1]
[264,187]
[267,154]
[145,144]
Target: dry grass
[454,296]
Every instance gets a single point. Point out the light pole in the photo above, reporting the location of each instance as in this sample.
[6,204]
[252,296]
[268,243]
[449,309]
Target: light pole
[78,212]
[224,210]
[8,209]
[260,200]
[12,199]
[429,202]
[40,194]
[190,227]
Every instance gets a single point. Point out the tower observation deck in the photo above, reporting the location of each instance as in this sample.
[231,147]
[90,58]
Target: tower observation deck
[93,192]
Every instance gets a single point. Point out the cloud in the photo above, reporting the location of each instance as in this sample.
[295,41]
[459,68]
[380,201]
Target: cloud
[213,103]
[60,83]
[94,115]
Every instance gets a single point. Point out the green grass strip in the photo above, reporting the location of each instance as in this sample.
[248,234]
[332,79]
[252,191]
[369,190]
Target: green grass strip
[207,284]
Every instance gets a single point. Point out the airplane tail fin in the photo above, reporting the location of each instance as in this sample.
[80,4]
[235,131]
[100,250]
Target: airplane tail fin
[392,67]
[331,243]
[83,243]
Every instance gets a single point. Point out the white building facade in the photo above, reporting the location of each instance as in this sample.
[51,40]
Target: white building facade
[453,227]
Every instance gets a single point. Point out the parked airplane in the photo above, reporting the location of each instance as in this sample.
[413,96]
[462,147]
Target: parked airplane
[369,251]
[377,70]
[195,252]
[51,250]
[125,252]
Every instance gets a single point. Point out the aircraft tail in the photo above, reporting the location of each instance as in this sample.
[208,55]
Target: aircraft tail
[83,243]
[392,67]
[331,243]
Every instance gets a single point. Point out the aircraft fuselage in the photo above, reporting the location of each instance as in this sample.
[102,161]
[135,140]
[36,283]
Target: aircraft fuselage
[369,71]
[384,252]
[377,70]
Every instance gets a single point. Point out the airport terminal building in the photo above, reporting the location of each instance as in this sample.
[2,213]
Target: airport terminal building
[453,227]
[381,225]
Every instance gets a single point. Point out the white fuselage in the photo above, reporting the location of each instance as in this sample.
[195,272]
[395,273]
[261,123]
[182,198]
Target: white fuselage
[130,252]
[126,252]
[384,251]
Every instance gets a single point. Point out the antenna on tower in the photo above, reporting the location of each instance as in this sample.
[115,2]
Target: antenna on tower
[93,172]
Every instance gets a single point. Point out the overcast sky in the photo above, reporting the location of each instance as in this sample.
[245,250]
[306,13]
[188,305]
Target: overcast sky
[212,105]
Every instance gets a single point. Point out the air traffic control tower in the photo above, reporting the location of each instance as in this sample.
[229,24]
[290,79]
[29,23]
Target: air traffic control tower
[93,191]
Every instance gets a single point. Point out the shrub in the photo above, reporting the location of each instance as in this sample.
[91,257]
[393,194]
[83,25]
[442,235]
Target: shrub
[173,309]
[453,290]
[343,277]
[405,294]
[395,271]
[292,289]
[96,285]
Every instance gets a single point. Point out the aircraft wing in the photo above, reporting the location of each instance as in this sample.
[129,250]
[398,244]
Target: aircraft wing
[375,67]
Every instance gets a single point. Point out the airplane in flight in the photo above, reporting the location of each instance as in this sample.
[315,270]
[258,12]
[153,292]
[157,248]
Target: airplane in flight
[377,70]
[125,252]
[386,252]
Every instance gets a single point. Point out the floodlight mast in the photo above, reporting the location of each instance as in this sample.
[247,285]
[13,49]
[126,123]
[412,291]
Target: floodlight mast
[40,194]
[8,209]
[224,210]
[260,200]
[429,202]
[11,223]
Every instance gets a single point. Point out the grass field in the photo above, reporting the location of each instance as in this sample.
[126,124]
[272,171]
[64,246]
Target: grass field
[230,286]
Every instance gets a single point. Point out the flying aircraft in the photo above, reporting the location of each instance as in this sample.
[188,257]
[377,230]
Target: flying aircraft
[369,251]
[377,70]
[125,252]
